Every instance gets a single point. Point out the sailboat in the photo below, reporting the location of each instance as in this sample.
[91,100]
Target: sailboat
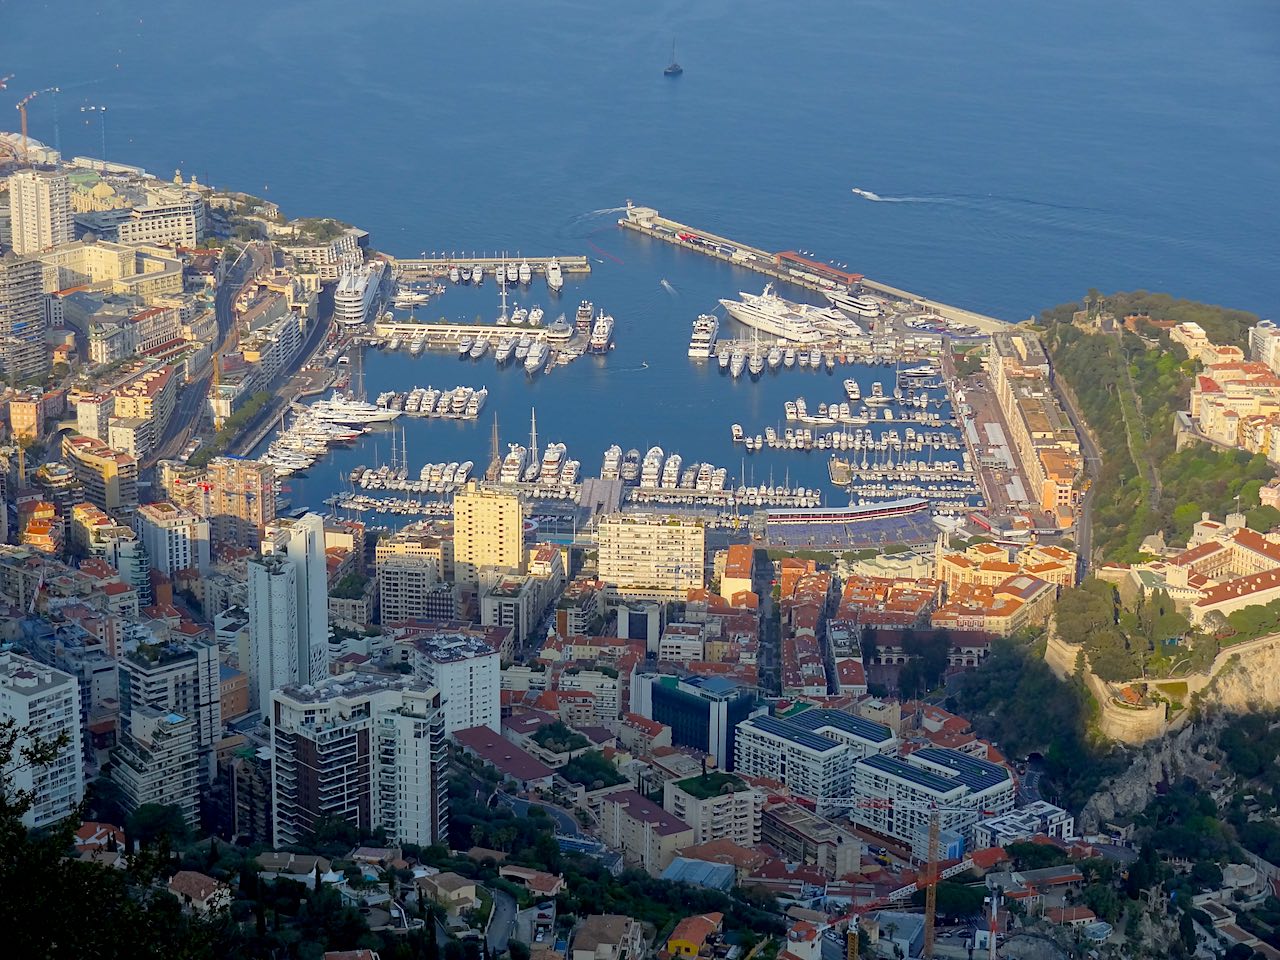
[673,69]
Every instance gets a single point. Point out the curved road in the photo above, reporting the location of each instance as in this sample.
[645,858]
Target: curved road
[567,824]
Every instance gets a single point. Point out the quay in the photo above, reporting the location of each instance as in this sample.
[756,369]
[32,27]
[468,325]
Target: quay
[443,334]
[430,268]
[789,266]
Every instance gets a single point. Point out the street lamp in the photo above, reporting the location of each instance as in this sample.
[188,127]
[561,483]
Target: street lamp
[101,111]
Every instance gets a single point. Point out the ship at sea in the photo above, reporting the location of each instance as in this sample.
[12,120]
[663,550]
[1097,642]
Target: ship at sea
[769,313]
[601,334]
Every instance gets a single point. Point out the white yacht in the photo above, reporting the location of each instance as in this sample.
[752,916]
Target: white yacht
[513,464]
[601,334]
[555,279]
[526,272]
[454,275]
[513,273]
[737,361]
[651,468]
[774,359]
[477,275]
[789,357]
[671,471]
[535,316]
[523,345]
[704,336]
[506,346]
[340,409]
[611,467]
[537,357]
[356,292]
[770,314]
[859,305]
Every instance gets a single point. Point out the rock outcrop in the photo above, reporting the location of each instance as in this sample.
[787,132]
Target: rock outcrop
[1170,758]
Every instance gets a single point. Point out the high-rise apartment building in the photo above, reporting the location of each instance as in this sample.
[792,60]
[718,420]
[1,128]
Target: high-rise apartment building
[238,498]
[301,542]
[176,539]
[466,668]
[179,677]
[718,806]
[40,210]
[703,712]
[410,568]
[157,761]
[273,628]
[110,478]
[651,556]
[48,702]
[488,535]
[22,320]
[363,748]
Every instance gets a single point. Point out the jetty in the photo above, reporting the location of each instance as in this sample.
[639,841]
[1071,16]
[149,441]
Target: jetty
[790,266]
[431,268]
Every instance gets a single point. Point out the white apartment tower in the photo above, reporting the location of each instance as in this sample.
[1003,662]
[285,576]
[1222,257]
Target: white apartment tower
[176,539]
[273,628]
[466,670]
[301,542]
[47,701]
[488,535]
[650,555]
[365,748]
[40,210]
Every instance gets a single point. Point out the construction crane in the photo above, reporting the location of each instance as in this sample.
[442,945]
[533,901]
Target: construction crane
[22,111]
[927,879]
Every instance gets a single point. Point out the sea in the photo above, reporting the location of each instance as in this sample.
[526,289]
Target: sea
[1010,156]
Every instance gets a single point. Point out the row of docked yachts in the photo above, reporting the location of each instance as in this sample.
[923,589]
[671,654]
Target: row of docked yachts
[508,272]
[740,358]
[433,477]
[460,403]
[551,469]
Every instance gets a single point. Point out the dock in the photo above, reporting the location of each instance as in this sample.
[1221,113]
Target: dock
[443,334]
[431,268]
[789,266]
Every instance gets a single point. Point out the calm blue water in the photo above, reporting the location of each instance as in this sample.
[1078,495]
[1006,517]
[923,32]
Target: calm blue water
[1030,151]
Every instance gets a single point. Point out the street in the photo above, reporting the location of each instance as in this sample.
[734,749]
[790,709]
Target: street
[567,825]
[189,409]
[503,921]
[1092,464]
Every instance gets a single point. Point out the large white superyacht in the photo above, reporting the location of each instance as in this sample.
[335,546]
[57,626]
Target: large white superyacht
[769,313]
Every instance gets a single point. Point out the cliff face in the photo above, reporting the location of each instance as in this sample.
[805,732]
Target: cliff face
[1179,755]
[1248,682]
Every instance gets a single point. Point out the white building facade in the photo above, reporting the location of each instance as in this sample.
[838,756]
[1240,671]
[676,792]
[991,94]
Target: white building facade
[48,702]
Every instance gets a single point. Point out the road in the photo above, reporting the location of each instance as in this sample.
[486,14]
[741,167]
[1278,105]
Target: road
[503,921]
[1092,466]
[567,824]
[189,409]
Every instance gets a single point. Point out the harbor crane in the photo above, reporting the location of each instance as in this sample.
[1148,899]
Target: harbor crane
[929,872]
[22,112]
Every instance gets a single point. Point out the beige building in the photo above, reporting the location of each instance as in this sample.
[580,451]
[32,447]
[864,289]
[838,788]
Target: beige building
[171,216]
[717,806]
[488,535]
[650,556]
[151,396]
[110,478]
[608,937]
[647,835]
[238,497]
[84,262]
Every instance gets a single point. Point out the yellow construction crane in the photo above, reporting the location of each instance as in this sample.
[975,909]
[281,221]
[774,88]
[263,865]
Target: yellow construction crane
[22,111]
[928,877]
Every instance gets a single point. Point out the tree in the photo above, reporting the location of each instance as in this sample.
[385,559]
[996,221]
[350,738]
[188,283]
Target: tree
[955,899]
[153,823]
[519,951]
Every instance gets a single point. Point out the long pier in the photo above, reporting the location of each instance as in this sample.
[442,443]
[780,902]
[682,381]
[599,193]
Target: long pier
[789,267]
[445,333]
[430,268]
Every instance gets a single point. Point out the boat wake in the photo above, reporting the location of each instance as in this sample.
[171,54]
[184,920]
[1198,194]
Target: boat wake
[644,365]
[669,288]
[876,198]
